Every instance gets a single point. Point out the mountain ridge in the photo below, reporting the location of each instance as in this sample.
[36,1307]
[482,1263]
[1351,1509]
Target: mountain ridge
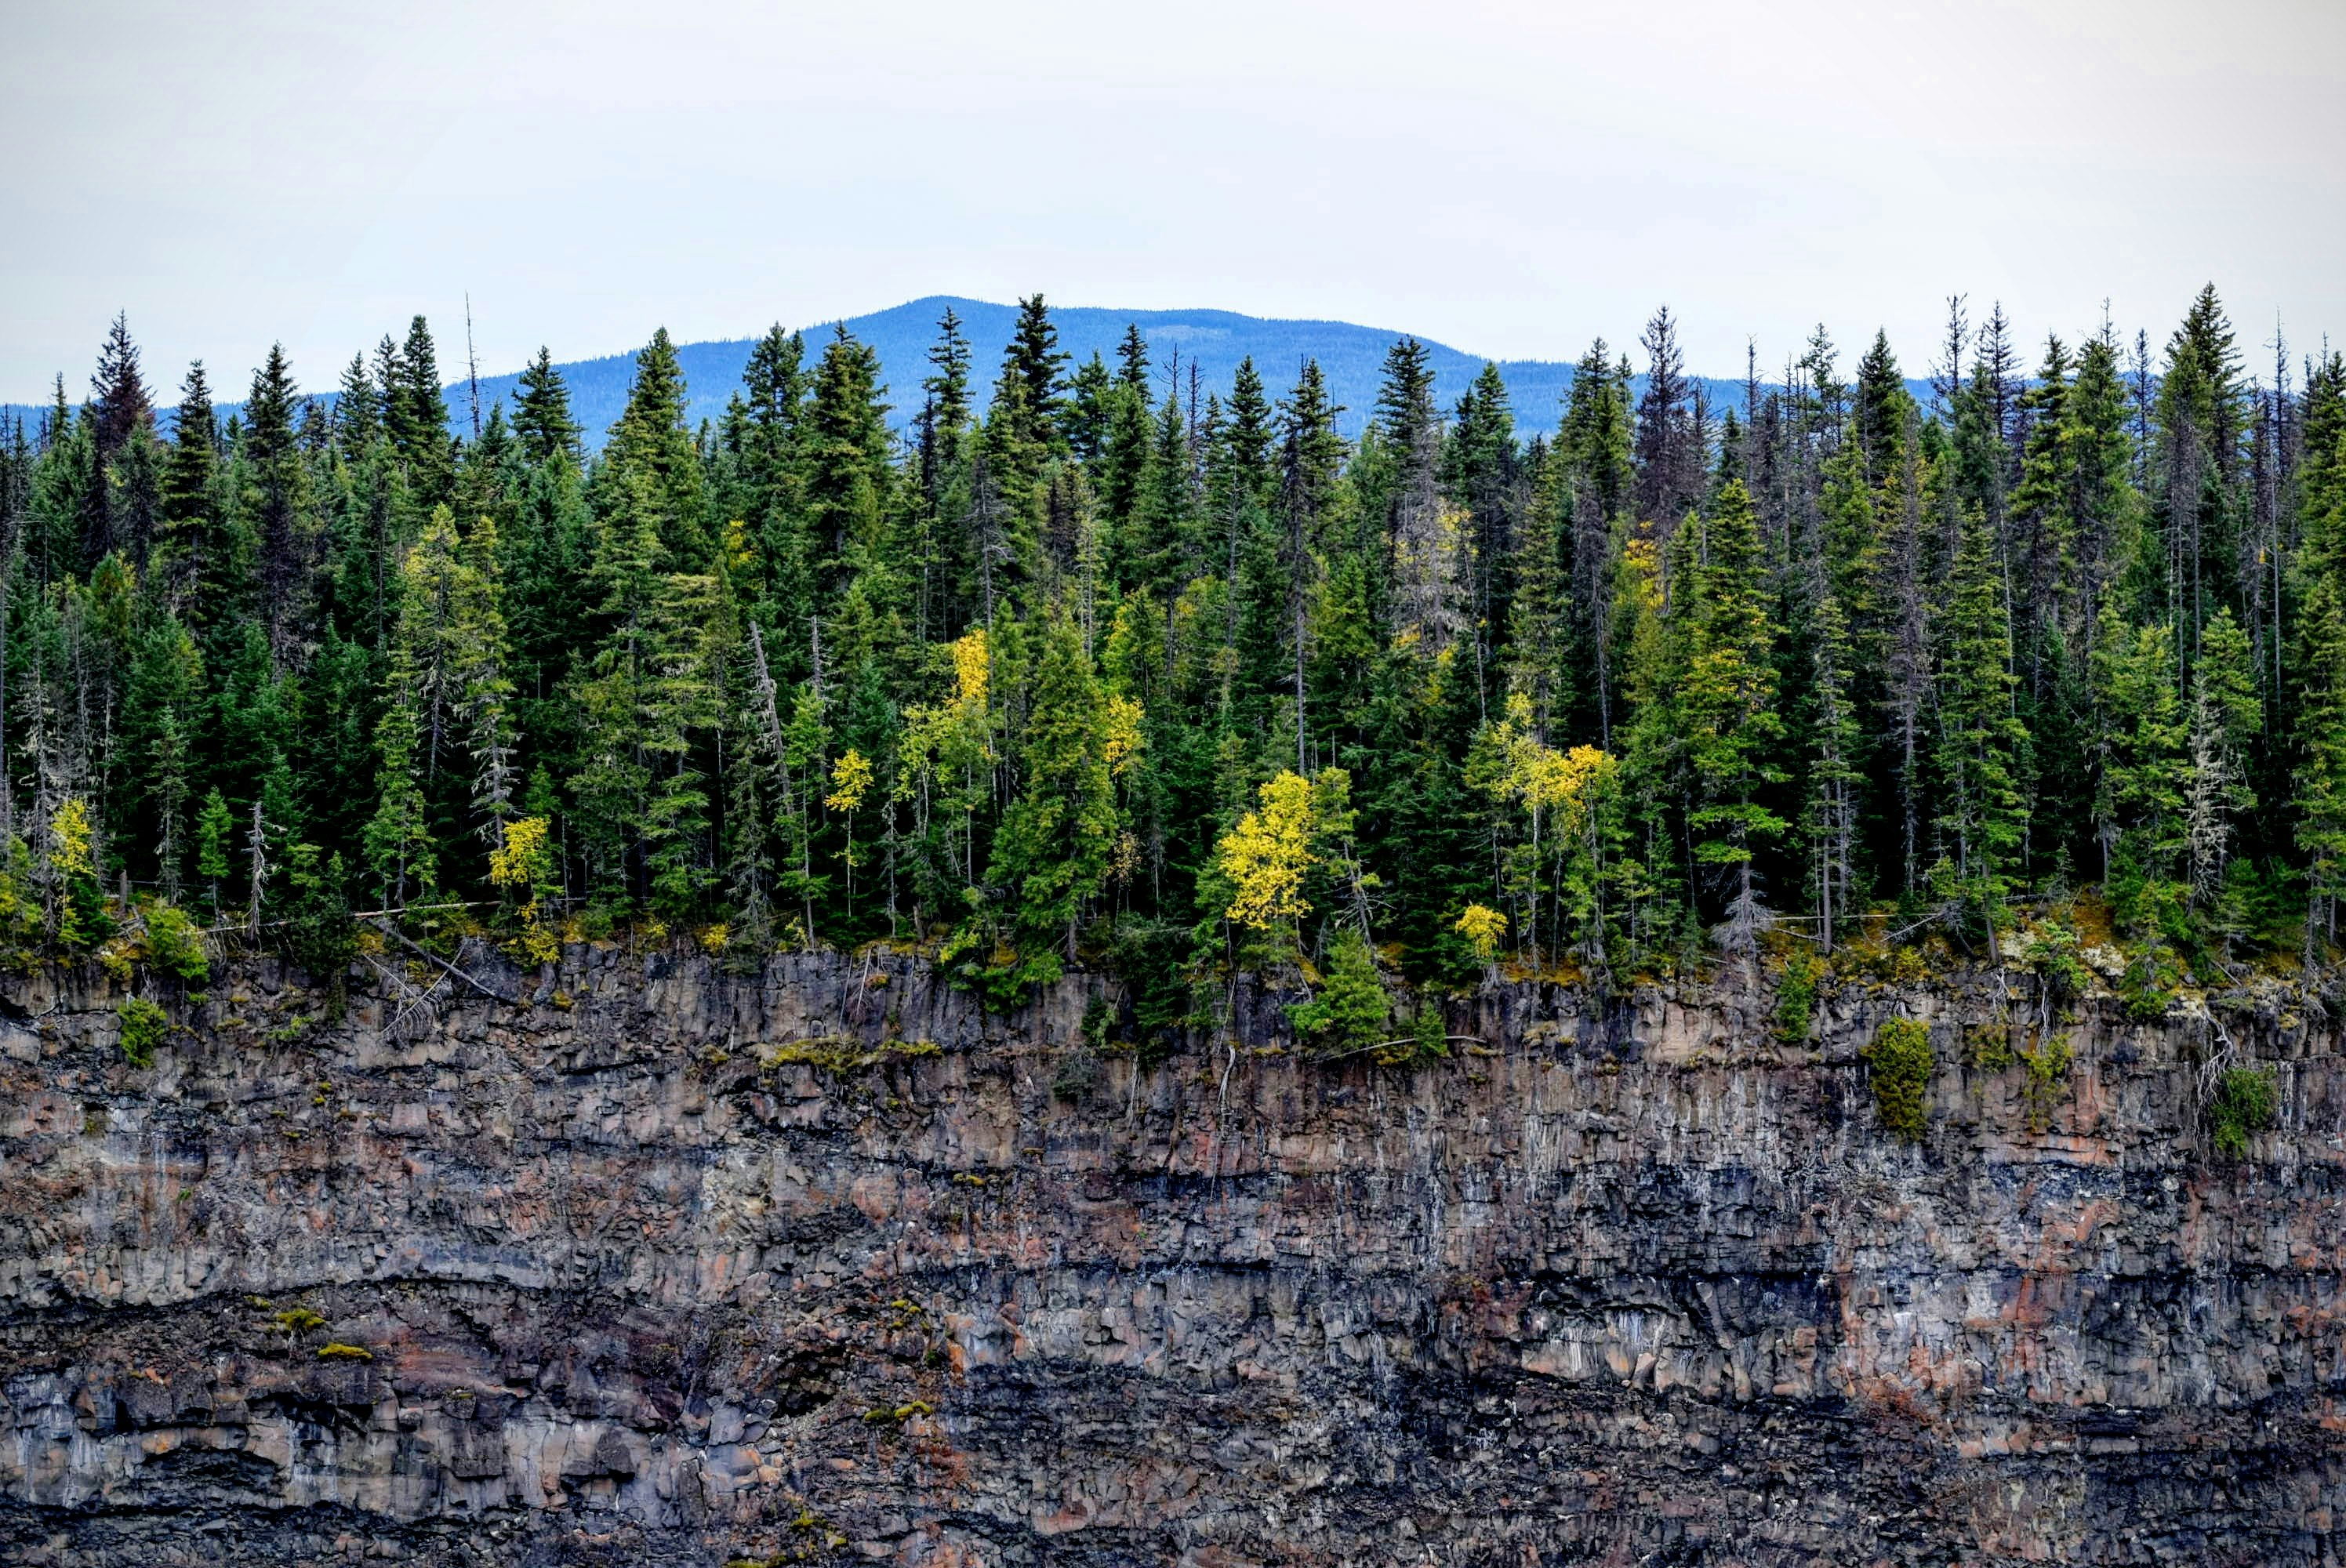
[1351,355]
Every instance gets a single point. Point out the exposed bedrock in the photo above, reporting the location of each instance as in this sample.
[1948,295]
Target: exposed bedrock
[662,1266]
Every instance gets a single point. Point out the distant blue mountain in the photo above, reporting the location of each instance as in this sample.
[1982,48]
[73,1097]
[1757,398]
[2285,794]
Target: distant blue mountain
[1350,356]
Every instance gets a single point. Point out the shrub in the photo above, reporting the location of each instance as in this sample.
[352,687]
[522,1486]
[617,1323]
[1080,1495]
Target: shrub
[2052,951]
[142,1024]
[176,943]
[1899,1061]
[2241,1105]
[2048,1072]
[1072,1077]
[1796,998]
[298,1321]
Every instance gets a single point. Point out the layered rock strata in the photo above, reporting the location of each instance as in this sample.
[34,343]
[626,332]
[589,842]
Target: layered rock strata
[635,1262]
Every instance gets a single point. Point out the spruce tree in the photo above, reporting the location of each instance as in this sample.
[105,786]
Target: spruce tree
[1053,851]
[358,412]
[649,443]
[1983,761]
[278,502]
[120,402]
[542,421]
[1729,704]
[416,416]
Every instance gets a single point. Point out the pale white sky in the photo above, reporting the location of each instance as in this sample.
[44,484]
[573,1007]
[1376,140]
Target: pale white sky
[1509,178]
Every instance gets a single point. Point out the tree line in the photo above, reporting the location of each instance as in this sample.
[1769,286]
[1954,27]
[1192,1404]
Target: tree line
[1122,674]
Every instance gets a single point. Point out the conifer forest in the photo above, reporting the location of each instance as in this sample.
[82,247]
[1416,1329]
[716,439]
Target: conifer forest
[1176,682]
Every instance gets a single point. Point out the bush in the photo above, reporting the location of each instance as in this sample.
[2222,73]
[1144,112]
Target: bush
[1796,998]
[2048,1076]
[1899,1061]
[2052,951]
[176,943]
[2241,1105]
[142,1024]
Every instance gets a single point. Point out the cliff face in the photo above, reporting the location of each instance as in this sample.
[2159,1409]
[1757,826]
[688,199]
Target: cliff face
[632,1272]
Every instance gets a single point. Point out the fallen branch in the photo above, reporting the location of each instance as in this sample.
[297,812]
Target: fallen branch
[1388,1045]
[400,937]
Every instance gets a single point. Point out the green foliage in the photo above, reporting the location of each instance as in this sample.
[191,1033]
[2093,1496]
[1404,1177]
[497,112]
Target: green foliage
[1796,997]
[174,943]
[2048,1073]
[1352,1010]
[295,1321]
[2051,950]
[1071,683]
[1899,1063]
[143,1027]
[2242,1104]
[320,934]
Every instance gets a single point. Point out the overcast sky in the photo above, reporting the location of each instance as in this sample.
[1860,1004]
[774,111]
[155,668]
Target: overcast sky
[1511,179]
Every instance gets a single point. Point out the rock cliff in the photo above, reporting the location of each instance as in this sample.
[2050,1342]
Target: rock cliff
[633,1262]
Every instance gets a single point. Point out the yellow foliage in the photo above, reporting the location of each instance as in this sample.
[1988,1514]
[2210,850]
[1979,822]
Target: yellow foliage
[714,938]
[1544,778]
[1482,927]
[541,944]
[526,864]
[740,549]
[522,863]
[971,663]
[71,832]
[851,777]
[1267,854]
[1123,736]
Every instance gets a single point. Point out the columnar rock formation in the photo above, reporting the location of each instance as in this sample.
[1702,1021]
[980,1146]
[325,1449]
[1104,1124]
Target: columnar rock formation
[652,1265]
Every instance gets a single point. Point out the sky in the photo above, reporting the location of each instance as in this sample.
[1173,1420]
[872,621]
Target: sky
[1512,178]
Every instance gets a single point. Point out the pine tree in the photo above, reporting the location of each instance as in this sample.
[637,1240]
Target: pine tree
[677,704]
[483,688]
[2227,717]
[2321,780]
[120,402]
[1669,438]
[2139,807]
[1880,415]
[847,476]
[1425,534]
[1126,455]
[1835,782]
[213,826]
[1311,456]
[1034,361]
